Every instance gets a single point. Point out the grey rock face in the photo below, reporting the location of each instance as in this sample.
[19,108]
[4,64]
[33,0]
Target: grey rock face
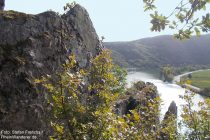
[32,46]
[171,115]
[2,4]
[172,110]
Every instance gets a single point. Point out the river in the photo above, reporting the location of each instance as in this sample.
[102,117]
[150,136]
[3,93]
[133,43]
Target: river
[168,91]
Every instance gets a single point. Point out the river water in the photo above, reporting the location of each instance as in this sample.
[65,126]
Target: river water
[168,91]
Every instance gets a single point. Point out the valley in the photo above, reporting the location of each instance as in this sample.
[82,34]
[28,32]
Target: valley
[150,54]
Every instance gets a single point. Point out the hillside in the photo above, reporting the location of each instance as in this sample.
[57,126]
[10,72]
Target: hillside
[152,53]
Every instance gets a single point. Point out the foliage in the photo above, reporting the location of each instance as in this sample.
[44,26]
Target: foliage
[167,73]
[188,68]
[184,80]
[206,92]
[169,128]
[196,120]
[82,100]
[189,76]
[82,103]
[184,22]
[142,121]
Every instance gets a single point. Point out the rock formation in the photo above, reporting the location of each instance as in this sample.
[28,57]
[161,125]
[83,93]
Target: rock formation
[135,96]
[32,46]
[172,110]
[170,120]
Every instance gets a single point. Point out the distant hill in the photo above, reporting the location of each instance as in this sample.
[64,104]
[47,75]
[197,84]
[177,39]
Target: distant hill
[154,52]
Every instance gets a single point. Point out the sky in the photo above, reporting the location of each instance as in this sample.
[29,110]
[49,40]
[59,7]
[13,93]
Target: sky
[116,20]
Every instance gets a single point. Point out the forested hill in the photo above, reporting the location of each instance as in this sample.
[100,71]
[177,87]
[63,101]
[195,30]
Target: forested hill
[156,51]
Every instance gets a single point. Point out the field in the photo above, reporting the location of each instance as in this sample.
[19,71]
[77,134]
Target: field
[201,79]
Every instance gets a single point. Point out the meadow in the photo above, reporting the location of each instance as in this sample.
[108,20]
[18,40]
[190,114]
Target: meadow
[201,79]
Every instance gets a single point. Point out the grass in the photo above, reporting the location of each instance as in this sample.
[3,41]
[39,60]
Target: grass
[201,79]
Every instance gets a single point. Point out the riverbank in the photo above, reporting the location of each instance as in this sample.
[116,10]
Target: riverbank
[168,91]
[178,77]
[192,87]
[201,79]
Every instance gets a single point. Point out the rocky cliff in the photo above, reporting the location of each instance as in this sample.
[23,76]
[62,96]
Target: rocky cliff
[32,46]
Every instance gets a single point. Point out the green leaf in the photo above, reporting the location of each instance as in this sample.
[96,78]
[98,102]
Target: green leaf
[197,31]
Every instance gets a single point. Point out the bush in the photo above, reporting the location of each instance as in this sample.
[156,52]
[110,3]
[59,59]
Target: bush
[81,104]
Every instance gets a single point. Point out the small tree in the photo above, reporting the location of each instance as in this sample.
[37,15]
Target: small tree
[167,73]
[196,121]
[82,100]
[190,76]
